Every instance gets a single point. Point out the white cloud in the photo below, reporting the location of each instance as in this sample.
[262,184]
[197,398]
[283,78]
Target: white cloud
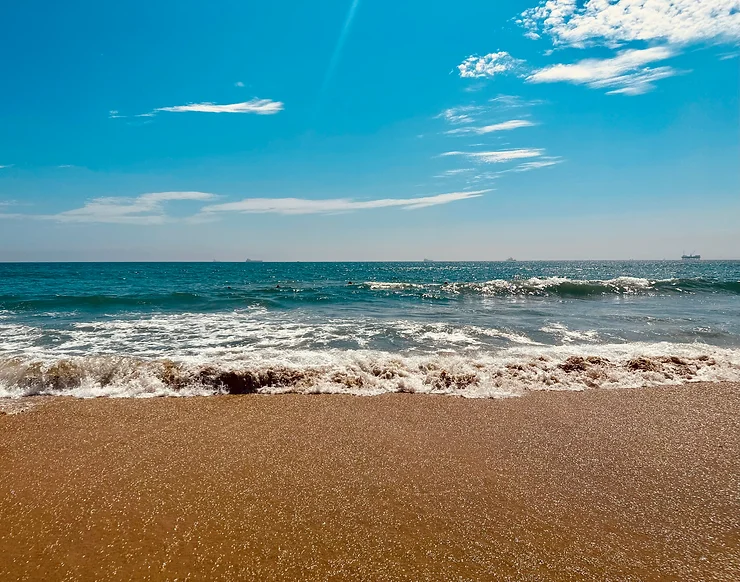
[514,102]
[497,157]
[8,166]
[238,84]
[613,22]
[545,163]
[334,205]
[488,65]
[148,209]
[144,209]
[484,177]
[462,114]
[451,173]
[505,126]
[625,73]
[258,106]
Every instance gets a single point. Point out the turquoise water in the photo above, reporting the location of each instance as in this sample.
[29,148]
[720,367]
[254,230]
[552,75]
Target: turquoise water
[124,329]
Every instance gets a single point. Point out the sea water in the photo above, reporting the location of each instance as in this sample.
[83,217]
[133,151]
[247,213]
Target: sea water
[483,329]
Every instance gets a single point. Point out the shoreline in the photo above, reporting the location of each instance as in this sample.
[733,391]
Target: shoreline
[601,484]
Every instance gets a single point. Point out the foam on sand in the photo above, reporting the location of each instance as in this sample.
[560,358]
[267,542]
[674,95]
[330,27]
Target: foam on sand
[507,372]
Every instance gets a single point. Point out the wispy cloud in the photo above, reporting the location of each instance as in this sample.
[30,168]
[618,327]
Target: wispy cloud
[254,106]
[484,177]
[6,166]
[528,166]
[144,209]
[612,22]
[514,102]
[453,173]
[482,130]
[257,106]
[462,114]
[497,157]
[149,209]
[238,84]
[488,65]
[334,205]
[625,73]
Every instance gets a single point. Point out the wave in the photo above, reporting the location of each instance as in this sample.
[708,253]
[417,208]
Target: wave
[506,373]
[564,287]
[278,296]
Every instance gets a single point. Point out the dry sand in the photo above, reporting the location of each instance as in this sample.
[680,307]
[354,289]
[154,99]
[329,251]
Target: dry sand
[600,485]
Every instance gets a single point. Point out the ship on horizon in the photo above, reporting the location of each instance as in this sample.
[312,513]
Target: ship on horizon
[691,257]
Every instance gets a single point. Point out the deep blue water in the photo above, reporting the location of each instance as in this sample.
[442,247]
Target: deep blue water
[332,317]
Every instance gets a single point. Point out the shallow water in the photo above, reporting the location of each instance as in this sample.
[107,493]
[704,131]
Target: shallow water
[473,329]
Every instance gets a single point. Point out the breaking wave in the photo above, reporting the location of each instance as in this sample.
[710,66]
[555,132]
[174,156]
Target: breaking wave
[563,287]
[508,372]
[235,296]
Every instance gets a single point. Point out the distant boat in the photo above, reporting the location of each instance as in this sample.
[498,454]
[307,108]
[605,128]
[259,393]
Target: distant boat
[428,261]
[511,260]
[253,261]
[691,257]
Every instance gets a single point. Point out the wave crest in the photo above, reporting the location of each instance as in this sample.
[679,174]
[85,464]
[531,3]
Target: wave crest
[563,287]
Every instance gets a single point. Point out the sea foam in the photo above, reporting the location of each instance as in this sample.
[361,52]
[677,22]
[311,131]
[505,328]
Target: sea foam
[509,372]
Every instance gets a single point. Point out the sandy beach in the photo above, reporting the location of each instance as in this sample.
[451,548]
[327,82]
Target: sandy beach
[636,484]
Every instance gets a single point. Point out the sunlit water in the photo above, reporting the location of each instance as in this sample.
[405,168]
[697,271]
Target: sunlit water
[473,329]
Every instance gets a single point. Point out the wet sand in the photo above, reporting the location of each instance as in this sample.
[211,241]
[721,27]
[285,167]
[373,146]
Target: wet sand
[599,485]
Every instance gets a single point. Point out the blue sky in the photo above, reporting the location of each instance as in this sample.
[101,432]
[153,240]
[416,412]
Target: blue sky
[358,130]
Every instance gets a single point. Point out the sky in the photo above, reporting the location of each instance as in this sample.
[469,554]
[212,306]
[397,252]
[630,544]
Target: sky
[369,130]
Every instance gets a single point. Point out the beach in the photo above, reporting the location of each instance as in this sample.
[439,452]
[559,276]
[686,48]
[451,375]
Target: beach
[618,484]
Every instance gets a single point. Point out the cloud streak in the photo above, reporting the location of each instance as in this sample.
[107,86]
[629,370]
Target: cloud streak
[626,73]
[536,165]
[498,157]
[333,205]
[462,114]
[256,106]
[144,209]
[453,173]
[485,129]
[149,209]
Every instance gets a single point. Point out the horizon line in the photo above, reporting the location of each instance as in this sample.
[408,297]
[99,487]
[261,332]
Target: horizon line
[428,261]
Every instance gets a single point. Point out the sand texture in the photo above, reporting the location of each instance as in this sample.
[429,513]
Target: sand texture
[601,485]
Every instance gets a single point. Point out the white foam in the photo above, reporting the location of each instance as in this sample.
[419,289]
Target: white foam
[487,374]
[570,335]
[386,285]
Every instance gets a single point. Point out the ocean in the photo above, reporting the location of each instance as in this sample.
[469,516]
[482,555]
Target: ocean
[473,329]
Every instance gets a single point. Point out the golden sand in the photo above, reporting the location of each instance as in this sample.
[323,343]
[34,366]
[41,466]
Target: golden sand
[600,485]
